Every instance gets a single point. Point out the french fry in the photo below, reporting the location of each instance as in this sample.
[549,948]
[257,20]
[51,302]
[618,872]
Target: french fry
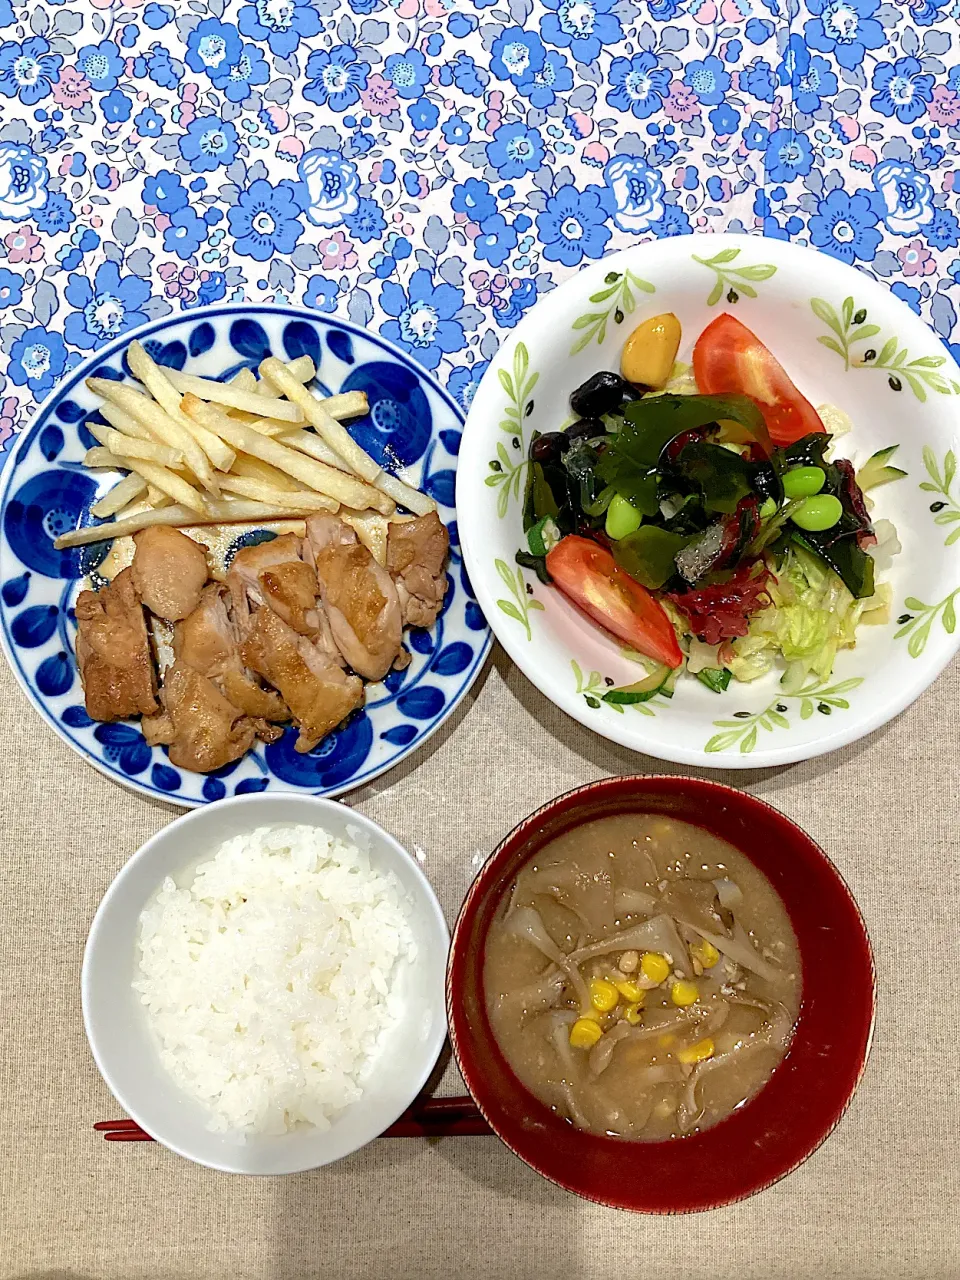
[145,503]
[297,500]
[168,482]
[311,444]
[244,380]
[324,479]
[178,517]
[372,529]
[130,447]
[212,536]
[98,456]
[303,369]
[280,378]
[350,404]
[340,440]
[241,415]
[220,455]
[125,422]
[404,494]
[121,495]
[266,426]
[257,469]
[166,429]
[225,393]
[132,509]
[157,382]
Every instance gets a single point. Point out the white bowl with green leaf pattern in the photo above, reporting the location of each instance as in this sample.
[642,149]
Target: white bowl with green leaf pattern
[884,368]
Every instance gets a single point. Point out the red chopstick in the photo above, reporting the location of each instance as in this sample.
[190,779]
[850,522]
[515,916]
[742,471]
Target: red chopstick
[430,1118]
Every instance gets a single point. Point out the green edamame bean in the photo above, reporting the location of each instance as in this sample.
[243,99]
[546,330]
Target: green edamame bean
[768,509]
[818,513]
[623,518]
[803,482]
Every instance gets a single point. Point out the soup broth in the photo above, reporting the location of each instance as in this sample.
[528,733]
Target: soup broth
[642,977]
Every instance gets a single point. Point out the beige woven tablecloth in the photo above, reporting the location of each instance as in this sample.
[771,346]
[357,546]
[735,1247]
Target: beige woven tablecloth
[879,1200]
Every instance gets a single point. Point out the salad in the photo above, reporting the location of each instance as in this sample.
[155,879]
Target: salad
[699,515]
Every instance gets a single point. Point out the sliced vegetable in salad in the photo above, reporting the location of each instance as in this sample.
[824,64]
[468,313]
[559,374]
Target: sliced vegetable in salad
[708,528]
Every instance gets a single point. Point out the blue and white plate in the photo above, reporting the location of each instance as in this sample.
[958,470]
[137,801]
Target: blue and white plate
[413,426]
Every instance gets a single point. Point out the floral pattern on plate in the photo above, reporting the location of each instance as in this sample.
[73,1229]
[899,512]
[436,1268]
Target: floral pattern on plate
[413,424]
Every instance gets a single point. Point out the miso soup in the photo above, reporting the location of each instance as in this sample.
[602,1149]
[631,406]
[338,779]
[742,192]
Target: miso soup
[642,977]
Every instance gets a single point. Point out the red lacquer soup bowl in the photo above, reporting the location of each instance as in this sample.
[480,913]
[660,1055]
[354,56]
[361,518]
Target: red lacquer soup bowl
[807,1094]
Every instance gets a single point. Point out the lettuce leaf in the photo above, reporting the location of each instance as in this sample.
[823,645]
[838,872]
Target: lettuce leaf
[812,617]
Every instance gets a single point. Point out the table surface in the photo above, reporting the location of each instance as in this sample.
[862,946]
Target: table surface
[429,168]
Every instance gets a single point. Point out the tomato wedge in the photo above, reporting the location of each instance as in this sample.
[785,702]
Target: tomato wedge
[588,575]
[728,358]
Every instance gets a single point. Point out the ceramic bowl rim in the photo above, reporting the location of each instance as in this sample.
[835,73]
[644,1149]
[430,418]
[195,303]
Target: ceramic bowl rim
[432,1045]
[460,1030]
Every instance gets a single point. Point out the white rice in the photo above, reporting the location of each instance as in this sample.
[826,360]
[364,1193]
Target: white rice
[270,981]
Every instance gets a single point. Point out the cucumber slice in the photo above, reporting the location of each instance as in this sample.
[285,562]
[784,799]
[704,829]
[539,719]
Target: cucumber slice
[644,690]
[877,471]
[714,678]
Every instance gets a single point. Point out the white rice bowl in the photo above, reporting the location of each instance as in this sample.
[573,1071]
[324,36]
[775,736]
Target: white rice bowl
[269,980]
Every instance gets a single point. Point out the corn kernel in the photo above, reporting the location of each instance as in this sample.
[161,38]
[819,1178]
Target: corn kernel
[630,992]
[632,1014]
[654,966]
[603,995]
[705,952]
[628,962]
[585,1033]
[683,993]
[698,1052]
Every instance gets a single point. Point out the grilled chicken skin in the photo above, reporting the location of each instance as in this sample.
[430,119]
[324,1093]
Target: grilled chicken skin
[169,571]
[203,730]
[113,652]
[316,689]
[359,597]
[416,557]
[207,641]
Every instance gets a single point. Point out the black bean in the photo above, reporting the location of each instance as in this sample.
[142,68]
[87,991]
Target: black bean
[585,429]
[548,447]
[603,393]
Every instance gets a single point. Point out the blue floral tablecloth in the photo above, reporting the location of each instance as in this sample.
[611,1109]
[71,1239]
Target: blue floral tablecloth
[429,168]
